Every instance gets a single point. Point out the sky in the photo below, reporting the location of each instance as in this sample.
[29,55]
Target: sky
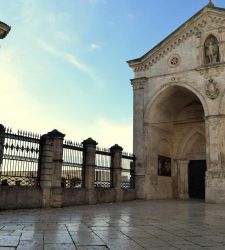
[63,64]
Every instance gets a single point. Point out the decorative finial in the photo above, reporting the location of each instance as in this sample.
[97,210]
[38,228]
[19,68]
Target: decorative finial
[210,4]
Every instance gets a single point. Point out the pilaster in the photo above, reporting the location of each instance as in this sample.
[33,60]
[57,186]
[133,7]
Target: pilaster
[215,175]
[50,165]
[138,133]
[116,164]
[89,169]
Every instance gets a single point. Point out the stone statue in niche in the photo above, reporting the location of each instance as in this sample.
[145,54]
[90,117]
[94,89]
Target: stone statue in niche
[212,54]
[212,90]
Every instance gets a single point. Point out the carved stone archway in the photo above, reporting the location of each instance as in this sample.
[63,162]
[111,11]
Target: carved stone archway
[180,77]
[175,116]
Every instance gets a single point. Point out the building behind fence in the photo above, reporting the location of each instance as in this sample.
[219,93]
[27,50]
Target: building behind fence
[50,171]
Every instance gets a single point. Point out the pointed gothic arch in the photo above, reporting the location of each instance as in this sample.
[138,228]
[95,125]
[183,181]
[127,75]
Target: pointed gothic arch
[194,139]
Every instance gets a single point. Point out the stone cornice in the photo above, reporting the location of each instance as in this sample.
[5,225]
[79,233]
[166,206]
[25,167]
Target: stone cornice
[192,27]
[139,83]
[212,70]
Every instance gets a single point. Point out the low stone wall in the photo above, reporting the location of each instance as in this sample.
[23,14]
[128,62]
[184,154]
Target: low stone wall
[19,197]
[73,197]
[128,194]
[23,197]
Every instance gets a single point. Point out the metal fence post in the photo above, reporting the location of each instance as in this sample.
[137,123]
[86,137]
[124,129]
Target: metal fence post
[89,168]
[2,140]
[50,167]
[116,160]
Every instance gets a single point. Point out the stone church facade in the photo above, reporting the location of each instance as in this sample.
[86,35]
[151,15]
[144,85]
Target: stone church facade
[179,112]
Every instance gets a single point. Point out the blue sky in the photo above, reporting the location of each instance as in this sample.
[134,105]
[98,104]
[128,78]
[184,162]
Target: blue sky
[63,65]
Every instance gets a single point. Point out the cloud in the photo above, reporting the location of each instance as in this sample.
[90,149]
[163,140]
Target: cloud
[18,106]
[70,59]
[130,16]
[97,1]
[62,36]
[95,46]
[108,133]
[21,110]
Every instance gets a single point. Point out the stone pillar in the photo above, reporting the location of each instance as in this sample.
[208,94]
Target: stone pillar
[89,169]
[138,134]
[213,152]
[183,179]
[116,165]
[50,167]
[2,140]
[215,175]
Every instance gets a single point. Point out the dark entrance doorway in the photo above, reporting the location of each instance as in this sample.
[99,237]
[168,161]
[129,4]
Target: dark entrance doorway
[196,179]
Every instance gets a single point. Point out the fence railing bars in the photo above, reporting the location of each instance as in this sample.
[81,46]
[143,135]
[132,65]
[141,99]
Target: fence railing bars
[24,156]
[20,158]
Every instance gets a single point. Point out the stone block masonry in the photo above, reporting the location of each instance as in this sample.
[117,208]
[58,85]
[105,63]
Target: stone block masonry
[48,171]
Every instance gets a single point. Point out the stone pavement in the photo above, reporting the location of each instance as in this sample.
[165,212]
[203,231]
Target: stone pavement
[135,225]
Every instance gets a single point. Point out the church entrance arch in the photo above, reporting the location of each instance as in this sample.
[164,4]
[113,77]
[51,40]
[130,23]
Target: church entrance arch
[175,142]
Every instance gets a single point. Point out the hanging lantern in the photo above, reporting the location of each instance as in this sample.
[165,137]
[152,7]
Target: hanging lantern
[4,30]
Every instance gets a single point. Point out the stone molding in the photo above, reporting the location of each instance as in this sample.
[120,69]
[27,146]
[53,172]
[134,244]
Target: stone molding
[139,83]
[89,142]
[211,89]
[116,148]
[209,71]
[194,29]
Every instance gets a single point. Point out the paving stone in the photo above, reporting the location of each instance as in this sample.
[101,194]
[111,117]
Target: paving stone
[30,245]
[58,237]
[30,235]
[59,247]
[116,244]
[92,248]
[215,248]
[202,241]
[7,248]
[9,241]
[189,247]
[81,238]
[165,225]
[160,248]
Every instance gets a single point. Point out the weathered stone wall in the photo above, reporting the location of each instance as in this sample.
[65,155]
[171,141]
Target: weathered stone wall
[179,99]
[23,197]
[50,190]
[20,197]
[72,197]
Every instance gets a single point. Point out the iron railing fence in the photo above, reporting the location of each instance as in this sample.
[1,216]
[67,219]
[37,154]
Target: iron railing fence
[128,171]
[103,170]
[20,158]
[72,166]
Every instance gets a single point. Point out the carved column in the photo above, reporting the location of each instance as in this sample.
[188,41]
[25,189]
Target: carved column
[138,133]
[215,176]
[50,167]
[183,179]
[213,154]
[221,31]
[116,164]
[89,169]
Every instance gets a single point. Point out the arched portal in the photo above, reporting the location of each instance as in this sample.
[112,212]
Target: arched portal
[174,140]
